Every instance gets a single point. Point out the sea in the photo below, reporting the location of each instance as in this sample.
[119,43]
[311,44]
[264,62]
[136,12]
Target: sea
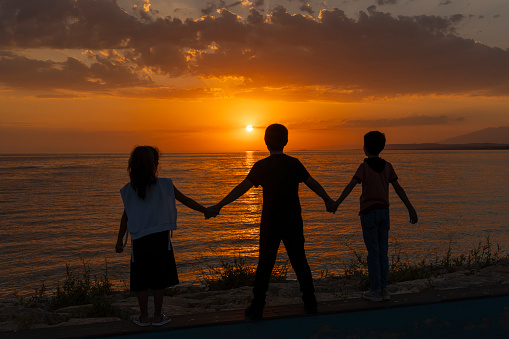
[63,210]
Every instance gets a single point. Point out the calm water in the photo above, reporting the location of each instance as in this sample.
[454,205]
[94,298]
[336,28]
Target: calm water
[58,209]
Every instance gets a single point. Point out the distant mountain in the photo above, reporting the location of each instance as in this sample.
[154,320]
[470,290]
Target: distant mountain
[493,135]
[473,146]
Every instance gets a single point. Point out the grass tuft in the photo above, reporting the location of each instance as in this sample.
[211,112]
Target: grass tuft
[77,289]
[237,274]
[400,269]
[82,289]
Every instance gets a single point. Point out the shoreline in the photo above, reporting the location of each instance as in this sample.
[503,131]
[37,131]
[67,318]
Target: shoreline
[189,300]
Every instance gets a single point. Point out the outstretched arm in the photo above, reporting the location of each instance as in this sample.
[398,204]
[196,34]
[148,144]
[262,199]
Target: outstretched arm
[235,193]
[319,190]
[191,203]
[348,189]
[119,247]
[402,195]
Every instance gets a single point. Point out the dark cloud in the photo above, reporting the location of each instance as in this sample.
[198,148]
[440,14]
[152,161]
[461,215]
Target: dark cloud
[65,24]
[456,18]
[234,4]
[291,56]
[255,17]
[211,7]
[20,72]
[307,8]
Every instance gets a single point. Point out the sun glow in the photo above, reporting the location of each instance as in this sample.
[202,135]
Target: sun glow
[249,128]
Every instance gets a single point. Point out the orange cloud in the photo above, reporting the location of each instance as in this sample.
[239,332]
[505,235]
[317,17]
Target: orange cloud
[280,55]
[19,72]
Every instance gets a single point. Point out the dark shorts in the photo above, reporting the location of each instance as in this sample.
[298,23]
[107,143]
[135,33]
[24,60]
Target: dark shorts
[154,266]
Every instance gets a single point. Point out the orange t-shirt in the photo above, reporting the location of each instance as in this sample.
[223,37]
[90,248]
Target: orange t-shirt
[375,174]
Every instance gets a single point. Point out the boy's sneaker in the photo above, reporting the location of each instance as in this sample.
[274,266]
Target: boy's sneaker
[385,294]
[310,304]
[254,311]
[372,295]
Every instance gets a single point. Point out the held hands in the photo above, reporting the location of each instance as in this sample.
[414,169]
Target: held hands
[331,206]
[212,211]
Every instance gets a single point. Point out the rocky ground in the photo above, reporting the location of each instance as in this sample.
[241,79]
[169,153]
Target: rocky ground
[194,299]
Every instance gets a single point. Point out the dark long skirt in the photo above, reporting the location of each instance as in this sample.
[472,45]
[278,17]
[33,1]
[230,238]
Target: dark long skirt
[154,266]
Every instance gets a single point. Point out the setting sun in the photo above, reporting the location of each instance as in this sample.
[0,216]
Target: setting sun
[249,128]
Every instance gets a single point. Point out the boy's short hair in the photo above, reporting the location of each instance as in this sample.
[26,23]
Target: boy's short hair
[276,137]
[374,142]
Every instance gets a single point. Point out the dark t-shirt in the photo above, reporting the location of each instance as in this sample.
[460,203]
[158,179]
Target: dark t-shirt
[280,175]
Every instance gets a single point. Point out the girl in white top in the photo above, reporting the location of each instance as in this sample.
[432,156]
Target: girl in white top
[150,215]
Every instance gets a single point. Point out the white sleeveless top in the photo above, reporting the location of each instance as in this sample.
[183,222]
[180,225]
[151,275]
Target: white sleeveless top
[156,213]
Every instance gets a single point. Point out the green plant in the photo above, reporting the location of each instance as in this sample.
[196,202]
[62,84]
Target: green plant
[279,273]
[483,255]
[38,300]
[356,268]
[446,261]
[75,290]
[78,290]
[402,269]
[239,273]
[326,272]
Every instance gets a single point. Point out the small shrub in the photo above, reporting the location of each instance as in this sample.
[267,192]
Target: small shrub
[279,273]
[78,290]
[237,274]
[400,270]
[483,255]
[38,300]
[229,275]
[326,272]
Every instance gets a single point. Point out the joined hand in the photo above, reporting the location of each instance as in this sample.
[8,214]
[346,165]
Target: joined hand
[331,206]
[212,212]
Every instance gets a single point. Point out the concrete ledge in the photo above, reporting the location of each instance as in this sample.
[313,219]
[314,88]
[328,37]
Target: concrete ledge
[467,312]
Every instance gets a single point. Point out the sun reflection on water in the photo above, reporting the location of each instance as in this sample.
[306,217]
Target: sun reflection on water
[250,159]
[40,197]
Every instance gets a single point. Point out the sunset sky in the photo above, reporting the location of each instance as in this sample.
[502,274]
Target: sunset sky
[189,76]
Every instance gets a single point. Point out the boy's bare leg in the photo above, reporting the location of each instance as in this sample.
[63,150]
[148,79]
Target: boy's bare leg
[267,258]
[158,304]
[143,302]
[297,255]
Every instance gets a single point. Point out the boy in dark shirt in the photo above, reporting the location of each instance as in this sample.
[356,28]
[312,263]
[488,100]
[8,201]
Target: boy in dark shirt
[375,174]
[279,175]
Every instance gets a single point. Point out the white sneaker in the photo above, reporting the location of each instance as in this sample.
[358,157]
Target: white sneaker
[372,295]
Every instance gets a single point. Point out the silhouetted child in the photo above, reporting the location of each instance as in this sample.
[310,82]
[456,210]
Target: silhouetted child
[150,214]
[279,175]
[375,174]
